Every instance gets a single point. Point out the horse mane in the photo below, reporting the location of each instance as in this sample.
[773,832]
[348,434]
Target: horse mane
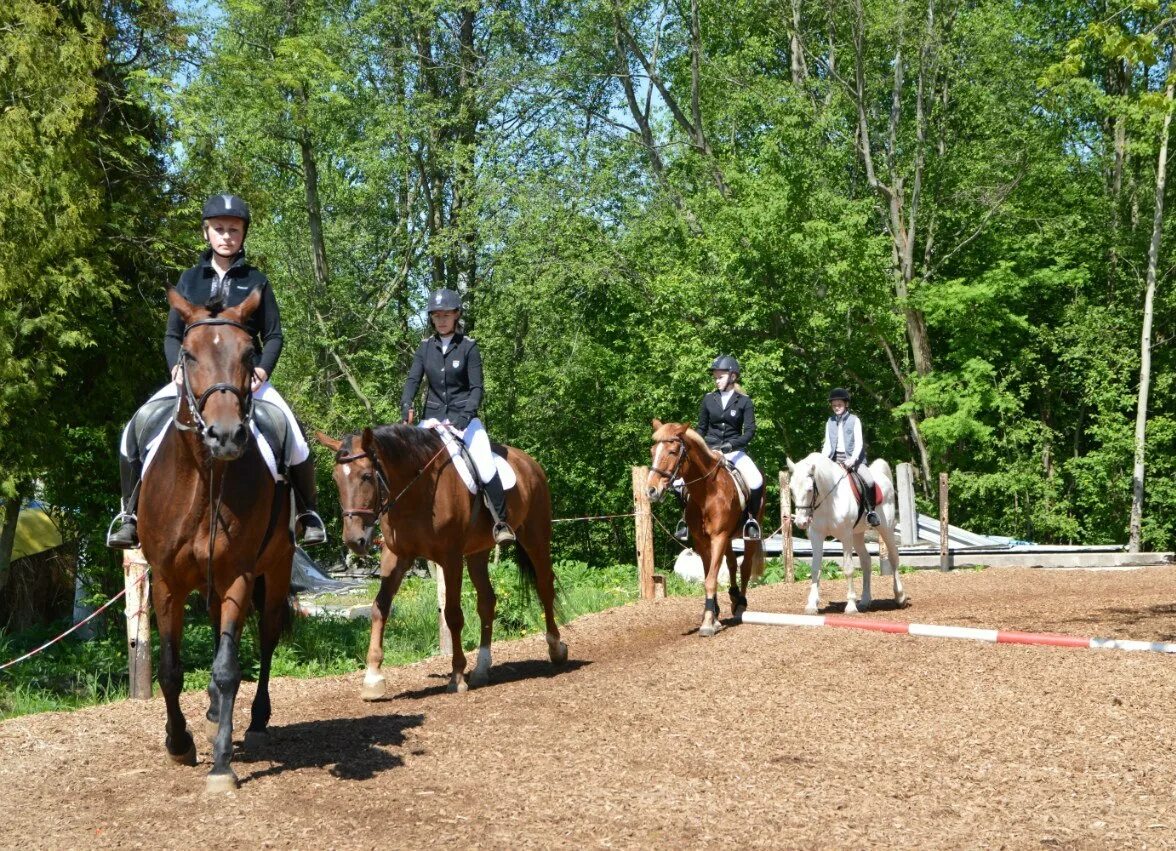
[824,470]
[693,437]
[416,446]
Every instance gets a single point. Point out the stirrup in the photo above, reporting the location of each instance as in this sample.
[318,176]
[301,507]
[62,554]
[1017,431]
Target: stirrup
[872,518]
[751,530]
[313,532]
[682,533]
[119,541]
[502,533]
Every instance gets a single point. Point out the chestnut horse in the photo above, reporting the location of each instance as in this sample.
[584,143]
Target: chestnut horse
[212,518]
[403,477]
[713,512]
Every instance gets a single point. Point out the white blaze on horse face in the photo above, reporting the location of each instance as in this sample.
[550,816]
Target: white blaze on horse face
[657,454]
[216,338]
[346,470]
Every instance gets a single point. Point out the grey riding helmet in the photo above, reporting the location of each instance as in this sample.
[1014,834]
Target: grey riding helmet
[726,362]
[225,205]
[444,299]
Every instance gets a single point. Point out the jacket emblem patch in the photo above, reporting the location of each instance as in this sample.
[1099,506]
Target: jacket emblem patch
[732,413]
[456,364]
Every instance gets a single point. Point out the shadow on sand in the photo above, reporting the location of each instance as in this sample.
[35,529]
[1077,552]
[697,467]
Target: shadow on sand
[507,672]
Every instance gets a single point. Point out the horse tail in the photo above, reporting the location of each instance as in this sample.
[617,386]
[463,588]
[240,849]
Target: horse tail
[526,571]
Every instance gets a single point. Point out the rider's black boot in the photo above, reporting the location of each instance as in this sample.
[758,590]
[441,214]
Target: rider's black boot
[682,532]
[306,501]
[496,498]
[127,536]
[751,529]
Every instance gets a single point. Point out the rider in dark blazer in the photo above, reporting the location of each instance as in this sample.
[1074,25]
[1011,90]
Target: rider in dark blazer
[726,422]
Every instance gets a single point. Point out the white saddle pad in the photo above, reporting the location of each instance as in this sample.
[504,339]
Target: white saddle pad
[451,437]
[263,446]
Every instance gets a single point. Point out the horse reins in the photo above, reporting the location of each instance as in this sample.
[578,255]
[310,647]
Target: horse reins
[382,485]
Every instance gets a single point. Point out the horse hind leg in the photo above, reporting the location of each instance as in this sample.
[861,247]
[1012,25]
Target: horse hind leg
[478,565]
[273,610]
[867,573]
[900,595]
[738,590]
[535,546]
[851,606]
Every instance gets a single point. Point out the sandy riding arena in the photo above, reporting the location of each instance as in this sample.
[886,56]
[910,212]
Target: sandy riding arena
[653,737]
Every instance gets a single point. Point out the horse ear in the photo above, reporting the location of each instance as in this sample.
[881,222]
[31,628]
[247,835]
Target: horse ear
[368,442]
[327,441]
[246,308]
[182,306]
[656,423]
[791,466]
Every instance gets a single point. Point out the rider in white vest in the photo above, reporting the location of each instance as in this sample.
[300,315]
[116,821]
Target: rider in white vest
[844,444]
[726,422]
[451,365]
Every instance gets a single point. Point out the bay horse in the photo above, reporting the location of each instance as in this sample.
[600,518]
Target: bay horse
[713,512]
[824,500]
[212,518]
[403,477]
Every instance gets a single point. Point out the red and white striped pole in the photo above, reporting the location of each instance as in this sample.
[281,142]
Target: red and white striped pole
[992,636]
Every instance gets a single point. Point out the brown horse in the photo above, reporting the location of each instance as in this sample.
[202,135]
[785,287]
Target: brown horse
[211,518]
[713,512]
[403,477]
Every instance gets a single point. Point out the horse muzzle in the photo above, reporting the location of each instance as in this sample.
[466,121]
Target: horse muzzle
[226,442]
[802,522]
[655,495]
[359,542]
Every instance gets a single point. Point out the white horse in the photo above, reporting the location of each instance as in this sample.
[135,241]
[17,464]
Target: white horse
[823,498]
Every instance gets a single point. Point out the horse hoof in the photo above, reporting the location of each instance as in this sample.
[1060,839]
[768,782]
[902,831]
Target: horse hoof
[217,783]
[211,729]
[739,610]
[188,757]
[864,606]
[558,653]
[707,630]
[479,678]
[457,685]
[257,740]
[903,601]
[373,689]
[810,610]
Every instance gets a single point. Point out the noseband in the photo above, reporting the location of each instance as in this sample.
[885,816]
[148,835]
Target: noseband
[196,405]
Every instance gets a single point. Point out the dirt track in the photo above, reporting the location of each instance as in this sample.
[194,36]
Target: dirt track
[652,736]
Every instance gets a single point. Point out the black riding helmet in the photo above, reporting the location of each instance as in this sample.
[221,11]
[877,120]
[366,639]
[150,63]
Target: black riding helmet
[726,362]
[444,299]
[839,393]
[226,205]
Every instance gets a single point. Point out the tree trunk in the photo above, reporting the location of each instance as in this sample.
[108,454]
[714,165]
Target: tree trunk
[1153,257]
[8,536]
[799,70]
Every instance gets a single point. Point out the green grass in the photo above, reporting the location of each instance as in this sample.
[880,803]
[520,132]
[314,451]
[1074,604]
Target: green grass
[72,674]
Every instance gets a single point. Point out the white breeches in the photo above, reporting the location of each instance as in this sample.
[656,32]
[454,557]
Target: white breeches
[478,443]
[299,450]
[746,468]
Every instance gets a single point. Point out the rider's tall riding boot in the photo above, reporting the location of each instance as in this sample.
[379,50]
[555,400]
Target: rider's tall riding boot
[306,501]
[496,499]
[127,536]
[751,529]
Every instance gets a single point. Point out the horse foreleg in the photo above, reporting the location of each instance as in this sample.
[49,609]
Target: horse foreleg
[455,620]
[392,570]
[867,571]
[226,673]
[710,614]
[478,565]
[814,597]
[169,618]
[212,716]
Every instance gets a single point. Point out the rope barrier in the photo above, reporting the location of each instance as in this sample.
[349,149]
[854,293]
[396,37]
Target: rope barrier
[594,517]
[72,629]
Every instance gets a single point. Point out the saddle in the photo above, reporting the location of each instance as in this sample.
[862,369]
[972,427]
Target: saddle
[463,462]
[858,487]
[269,423]
[741,487]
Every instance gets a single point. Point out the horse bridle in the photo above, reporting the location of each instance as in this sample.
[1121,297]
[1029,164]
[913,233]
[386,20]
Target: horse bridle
[381,488]
[673,474]
[195,405]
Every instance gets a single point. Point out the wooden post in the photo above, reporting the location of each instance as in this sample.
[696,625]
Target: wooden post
[786,525]
[137,604]
[444,635]
[908,515]
[659,586]
[943,555]
[644,520]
